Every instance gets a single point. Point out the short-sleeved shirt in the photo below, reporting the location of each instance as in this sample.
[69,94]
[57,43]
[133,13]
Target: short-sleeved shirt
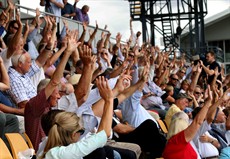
[68,9]
[172,110]
[213,66]
[80,16]
[79,149]
[34,109]
[178,148]
[21,86]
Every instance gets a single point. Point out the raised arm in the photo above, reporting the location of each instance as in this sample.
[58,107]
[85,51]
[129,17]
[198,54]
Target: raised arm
[58,74]
[16,39]
[213,109]
[196,73]
[192,129]
[206,69]
[107,95]
[93,35]
[82,89]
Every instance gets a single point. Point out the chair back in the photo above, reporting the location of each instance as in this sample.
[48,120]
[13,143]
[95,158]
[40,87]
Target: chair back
[4,151]
[17,143]
[28,140]
[162,126]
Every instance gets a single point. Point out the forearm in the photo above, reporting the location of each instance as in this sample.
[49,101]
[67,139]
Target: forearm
[82,89]
[8,109]
[82,38]
[58,74]
[56,55]
[4,76]
[106,42]
[212,111]
[194,82]
[14,42]
[92,36]
[106,120]
[43,56]
[207,70]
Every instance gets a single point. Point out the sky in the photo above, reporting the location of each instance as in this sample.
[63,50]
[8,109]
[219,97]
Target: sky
[115,13]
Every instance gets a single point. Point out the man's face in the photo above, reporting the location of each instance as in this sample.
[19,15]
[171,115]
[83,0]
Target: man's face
[55,96]
[174,79]
[25,67]
[14,28]
[209,58]
[183,103]
[221,118]
[197,92]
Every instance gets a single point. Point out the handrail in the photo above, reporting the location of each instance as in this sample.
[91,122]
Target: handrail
[60,17]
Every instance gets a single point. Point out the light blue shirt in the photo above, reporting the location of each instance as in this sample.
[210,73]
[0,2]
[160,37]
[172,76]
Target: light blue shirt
[79,149]
[133,112]
[225,153]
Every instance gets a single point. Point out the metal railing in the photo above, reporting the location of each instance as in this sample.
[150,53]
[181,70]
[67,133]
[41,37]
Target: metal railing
[72,24]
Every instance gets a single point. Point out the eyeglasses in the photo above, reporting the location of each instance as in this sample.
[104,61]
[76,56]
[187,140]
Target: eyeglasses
[182,72]
[197,92]
[131,55]
[81,131]
[174,79]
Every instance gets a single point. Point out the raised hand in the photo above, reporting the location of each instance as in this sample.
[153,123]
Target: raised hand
[122,82]
[105,91]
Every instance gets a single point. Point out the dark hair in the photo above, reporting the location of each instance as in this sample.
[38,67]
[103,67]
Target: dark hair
[226,111]
[11,24]
[47,120]
[195,112]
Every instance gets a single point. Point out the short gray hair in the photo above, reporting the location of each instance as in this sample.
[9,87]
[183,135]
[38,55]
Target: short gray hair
[18,57]
[42,84]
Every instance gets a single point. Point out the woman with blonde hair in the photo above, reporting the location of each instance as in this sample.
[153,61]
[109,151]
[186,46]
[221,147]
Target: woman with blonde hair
[181,133]
[63,139]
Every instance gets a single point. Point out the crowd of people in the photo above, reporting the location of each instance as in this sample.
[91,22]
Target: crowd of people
[77,100]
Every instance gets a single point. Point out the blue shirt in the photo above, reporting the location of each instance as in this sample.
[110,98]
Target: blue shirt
[133,112]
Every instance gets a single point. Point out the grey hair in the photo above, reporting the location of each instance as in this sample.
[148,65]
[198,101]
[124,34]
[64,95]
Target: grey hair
[18,57]
[42,84]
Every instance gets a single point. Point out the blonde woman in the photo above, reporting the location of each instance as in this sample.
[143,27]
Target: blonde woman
[181,133]
[63,139]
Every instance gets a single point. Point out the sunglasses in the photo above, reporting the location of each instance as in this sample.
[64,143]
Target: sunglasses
[174,79]
[197,92]
[81,131]
[131,55]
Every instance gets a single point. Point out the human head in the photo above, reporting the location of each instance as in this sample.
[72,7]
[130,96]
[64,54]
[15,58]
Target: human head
[21,62]
[181,73]
[210,57]
[85,9]
[54,97]
[185,84]
[220,117]
[47,120]
[182,100]
[79,67]
[138,34]
[66,129]
[169,90]
[197,92]
[179,122]
[173,80]
[19,46]
[65,1]
[13,27]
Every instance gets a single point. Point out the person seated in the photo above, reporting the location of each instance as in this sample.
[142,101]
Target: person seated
[180,134]
[65,132]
